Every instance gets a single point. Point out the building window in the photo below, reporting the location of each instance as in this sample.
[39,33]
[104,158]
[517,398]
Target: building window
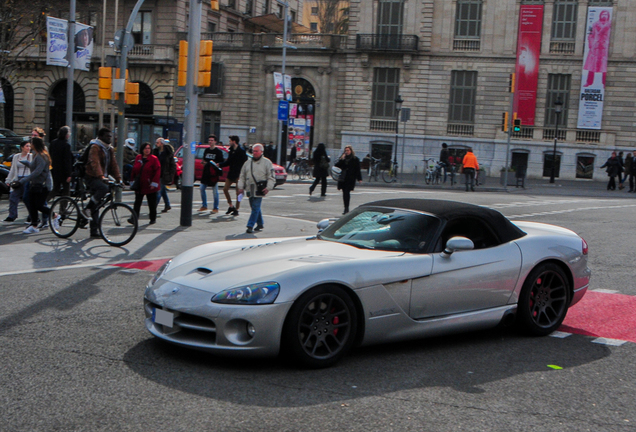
[211,124]
[313,27]
[231,4]
[142,28]
[461,109]
[468,25]
[314,11]
[216,84]
[249,7]
[292,17]
[390,13]
[266,7]
[386,83]
[563,35]
[547,164]
[600,2]
[211,27]
[585,166]
[558,88]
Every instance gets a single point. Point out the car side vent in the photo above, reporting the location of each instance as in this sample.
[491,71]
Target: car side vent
[204,270]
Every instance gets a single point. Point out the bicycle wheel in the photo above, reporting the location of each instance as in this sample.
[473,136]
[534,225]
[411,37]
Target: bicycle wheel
[297,173]
[427,177]
[69,217]
[118,224]
[387,175]
[452,177]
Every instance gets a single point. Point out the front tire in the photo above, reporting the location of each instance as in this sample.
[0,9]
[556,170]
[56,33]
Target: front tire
[321,327]
[118,224]
[544,300]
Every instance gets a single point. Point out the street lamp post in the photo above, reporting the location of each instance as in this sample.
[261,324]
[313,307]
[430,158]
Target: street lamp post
[398,108]
[168,99]
[558,108]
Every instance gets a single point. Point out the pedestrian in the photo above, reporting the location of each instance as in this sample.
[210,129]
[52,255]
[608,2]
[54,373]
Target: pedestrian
[620,173]
[627,165]
[292,156]
[350,166]
[212,158]
[470,167]
[444,155]
[147,170]
[62,162]
[37,132]
[613,168]
[17,172]
[39,182]
[130,156]
[235,161]
[257,178]
[321,169]
[632,174]
[101,163]
[165,153]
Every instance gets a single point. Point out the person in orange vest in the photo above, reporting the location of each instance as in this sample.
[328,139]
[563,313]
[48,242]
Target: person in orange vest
[470,167]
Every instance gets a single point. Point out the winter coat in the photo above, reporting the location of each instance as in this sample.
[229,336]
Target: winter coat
[96,166]
[263,169]
[470,161]
[210,174]
[351,168]
[235,161]
[168,165]
[61,159]
[130,155]
[614,167]
[18,170]
[320,159]
[39,172]
[150,174]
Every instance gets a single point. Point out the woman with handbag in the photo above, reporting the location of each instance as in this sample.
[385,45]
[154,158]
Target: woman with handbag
[40,183]
[17,172]
[146,175]
[350,166]
[321,169]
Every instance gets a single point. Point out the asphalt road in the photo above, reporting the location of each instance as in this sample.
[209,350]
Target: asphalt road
[76,355]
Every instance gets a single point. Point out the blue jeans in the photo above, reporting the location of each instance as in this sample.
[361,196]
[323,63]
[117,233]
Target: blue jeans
[163,193]
[256,217]
[14,199]
[204,196]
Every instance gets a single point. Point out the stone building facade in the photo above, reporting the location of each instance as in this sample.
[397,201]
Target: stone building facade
[423,50]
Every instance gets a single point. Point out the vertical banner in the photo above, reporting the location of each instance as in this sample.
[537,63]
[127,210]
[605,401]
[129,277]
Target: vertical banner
[288,94]
[527,67]
[278,84]
[56,41]
[598,30]
[83,46]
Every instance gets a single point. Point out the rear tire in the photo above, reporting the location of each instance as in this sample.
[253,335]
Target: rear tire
[321,327]
[544,300]
[69,214]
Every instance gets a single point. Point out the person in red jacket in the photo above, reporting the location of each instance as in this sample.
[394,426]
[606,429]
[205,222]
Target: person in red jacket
[470,166]
[148,168]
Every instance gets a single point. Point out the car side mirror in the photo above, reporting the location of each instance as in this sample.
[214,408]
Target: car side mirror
[324,224]
[456,244]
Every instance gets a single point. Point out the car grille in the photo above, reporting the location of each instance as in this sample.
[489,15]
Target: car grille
[187,328]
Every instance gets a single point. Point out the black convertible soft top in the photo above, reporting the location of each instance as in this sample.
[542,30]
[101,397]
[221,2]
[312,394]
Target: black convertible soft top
[449,210]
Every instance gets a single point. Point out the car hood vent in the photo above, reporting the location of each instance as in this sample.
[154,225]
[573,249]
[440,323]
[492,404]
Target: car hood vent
[203,270]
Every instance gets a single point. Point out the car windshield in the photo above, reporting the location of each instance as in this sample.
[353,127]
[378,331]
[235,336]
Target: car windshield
[8,133]
[384,229]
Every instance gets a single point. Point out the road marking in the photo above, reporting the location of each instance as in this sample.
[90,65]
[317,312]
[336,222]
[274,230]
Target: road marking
[554,212]
[611,342]
[560,334]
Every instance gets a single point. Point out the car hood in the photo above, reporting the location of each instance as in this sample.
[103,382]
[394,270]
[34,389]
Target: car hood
[217,266]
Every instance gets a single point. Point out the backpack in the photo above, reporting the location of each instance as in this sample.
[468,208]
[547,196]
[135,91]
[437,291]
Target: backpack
[324,162]
[79,167]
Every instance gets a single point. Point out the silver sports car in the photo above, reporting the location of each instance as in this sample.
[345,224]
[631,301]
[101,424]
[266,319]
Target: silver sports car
[389,270]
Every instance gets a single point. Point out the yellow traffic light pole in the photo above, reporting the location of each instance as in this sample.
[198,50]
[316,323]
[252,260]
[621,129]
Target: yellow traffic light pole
[509,120]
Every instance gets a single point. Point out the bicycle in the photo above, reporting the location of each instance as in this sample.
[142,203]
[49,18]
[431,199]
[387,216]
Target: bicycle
[390,175]
[300,169]
[374,167]
[117,222]
[453,172]
[433,172]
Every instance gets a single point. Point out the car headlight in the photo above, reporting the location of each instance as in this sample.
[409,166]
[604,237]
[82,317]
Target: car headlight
[259,293]
[162,270]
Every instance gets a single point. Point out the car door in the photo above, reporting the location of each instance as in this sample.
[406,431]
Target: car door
[467,280]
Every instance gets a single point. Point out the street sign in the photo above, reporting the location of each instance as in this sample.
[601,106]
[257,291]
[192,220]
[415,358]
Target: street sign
[283,110]
[406,115]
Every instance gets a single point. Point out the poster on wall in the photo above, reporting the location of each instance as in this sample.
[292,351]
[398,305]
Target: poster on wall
[288,94]
[83,46]
[527,66]
[597,39]
[278,84]
[56,41]
[298,136]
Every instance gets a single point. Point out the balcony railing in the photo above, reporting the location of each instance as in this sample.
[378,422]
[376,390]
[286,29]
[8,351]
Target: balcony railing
[590,136]
[562,47]
[230,41]
[460,129]
[382,125]
[466,45]
[386,42]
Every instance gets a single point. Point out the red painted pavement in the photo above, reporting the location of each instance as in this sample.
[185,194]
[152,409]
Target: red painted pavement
[611,316]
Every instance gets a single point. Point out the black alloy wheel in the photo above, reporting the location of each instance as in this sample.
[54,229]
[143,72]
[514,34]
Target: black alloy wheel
[544,300]
[320,327]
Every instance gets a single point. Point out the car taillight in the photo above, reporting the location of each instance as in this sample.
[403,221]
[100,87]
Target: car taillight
[585,247]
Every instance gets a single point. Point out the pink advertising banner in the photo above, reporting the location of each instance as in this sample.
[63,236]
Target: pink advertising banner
[598,31]
[527,67]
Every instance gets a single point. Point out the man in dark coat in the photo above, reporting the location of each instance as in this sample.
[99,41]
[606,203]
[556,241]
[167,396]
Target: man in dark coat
[212,158]
[235,161]
[164,151]
[62,161]
[614,168]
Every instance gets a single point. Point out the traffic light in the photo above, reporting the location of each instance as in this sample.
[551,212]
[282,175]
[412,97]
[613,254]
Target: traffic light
[132,93]
[517,127]
[205,64]
[105,83]
[504,122]
[511,82]
[182,79]
[214,5]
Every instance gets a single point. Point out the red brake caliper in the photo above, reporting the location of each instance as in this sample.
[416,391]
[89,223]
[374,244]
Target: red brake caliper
[335,321]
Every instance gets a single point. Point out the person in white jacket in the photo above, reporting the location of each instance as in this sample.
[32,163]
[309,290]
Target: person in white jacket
[18,171]
[257,178]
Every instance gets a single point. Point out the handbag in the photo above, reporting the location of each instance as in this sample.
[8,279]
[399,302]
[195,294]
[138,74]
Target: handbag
[260,185]
[136,183]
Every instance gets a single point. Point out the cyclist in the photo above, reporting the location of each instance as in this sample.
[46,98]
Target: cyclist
[101,163]
[443,159]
